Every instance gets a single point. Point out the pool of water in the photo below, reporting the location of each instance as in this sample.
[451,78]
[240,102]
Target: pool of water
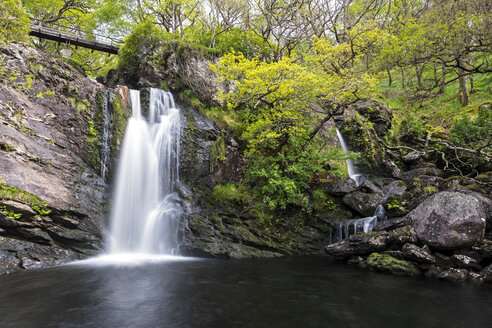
[289,292]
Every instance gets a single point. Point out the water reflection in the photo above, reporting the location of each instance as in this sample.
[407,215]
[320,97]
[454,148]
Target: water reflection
[235,293]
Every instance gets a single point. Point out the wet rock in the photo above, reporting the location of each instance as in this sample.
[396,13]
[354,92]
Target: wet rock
[339,187]
[401,236]
[390,224]
[443,261]
[484,249]
[387,263]
[464,262]
[417,173]
[395,188]
[454,275]
[430,270]
[17,254]
[449,220]
[417,254]
[363,203]
[360,244]
[50,175]
[369,187]
[487,274]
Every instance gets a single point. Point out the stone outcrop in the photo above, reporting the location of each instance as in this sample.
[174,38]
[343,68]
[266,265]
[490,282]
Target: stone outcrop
[449,220]
[52,198]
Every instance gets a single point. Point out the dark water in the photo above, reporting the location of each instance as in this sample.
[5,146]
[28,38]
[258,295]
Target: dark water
[306,292]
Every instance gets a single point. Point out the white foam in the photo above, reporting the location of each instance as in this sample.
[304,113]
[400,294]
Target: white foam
[131,259]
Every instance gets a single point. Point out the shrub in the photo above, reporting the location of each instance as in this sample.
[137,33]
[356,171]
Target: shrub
[14,23]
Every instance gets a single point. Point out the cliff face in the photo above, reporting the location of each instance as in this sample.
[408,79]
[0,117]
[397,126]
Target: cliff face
[52,198]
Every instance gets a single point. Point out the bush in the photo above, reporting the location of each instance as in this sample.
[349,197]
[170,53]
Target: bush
[138,45]
[14,23]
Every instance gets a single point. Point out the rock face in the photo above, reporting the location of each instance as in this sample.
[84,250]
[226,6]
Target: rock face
[449,220]
[52,199]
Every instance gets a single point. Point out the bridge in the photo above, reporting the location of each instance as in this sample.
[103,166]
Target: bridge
[74,37]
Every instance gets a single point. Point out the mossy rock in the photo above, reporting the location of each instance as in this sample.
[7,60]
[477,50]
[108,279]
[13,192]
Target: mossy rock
[484,177]
[387,263]
[476,188]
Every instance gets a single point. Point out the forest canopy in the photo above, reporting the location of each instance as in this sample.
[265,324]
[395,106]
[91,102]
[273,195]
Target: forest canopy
[295,64]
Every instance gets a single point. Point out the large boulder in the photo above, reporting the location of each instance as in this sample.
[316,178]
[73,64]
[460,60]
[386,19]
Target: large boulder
[449,220]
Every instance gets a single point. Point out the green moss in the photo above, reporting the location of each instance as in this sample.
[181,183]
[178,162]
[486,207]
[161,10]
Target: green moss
[476,188]
[232,192]
[12,193]
[387,263]
[7,147]
[429,189]
[217,153]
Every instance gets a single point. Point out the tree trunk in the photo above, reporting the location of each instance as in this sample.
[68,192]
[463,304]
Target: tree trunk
[402,77]
[443,81]
[464,94]
[436,79]
[472,84]
[418,73]
[390,79]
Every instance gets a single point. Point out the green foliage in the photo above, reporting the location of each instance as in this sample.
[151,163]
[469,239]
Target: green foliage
[232,192]
[10,214]
[236,40]
[218,151]
[321,202]
[143,39]
[41,211]
[14,23]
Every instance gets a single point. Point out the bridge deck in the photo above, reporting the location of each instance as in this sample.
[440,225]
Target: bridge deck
[75,39]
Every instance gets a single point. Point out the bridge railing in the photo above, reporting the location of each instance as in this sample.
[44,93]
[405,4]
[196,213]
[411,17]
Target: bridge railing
[70,33]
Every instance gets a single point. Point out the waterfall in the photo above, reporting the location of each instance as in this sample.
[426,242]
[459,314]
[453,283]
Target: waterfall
[145,214]
[345,229]
[358,178]
[107,118]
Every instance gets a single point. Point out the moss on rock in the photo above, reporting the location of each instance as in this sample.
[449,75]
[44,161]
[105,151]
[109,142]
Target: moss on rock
[387,263]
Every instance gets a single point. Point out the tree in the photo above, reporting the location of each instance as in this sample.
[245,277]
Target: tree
[14,23]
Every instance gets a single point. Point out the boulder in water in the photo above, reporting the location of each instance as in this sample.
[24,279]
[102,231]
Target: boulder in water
[449,220]
[454,275]
[387,263]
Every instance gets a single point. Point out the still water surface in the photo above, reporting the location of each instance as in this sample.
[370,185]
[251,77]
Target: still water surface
[291,292]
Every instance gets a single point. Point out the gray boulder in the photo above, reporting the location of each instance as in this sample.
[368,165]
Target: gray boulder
[449,220]
[363,203]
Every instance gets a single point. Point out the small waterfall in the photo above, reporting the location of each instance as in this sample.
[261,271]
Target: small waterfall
[345,229]
[107,118]
[357,177]
[146,212]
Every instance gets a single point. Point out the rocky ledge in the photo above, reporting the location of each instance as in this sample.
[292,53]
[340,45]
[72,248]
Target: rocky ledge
[52,200]
[442,237]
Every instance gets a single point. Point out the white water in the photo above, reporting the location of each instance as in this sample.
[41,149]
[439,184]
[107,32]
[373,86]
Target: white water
[358,225]
[145,214]
[358,178]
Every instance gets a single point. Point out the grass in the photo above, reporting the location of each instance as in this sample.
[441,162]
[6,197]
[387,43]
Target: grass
[435,109]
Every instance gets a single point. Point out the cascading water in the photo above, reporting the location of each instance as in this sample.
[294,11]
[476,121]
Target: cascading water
[107,118]
[357,177]
[146,212]
[349,227]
